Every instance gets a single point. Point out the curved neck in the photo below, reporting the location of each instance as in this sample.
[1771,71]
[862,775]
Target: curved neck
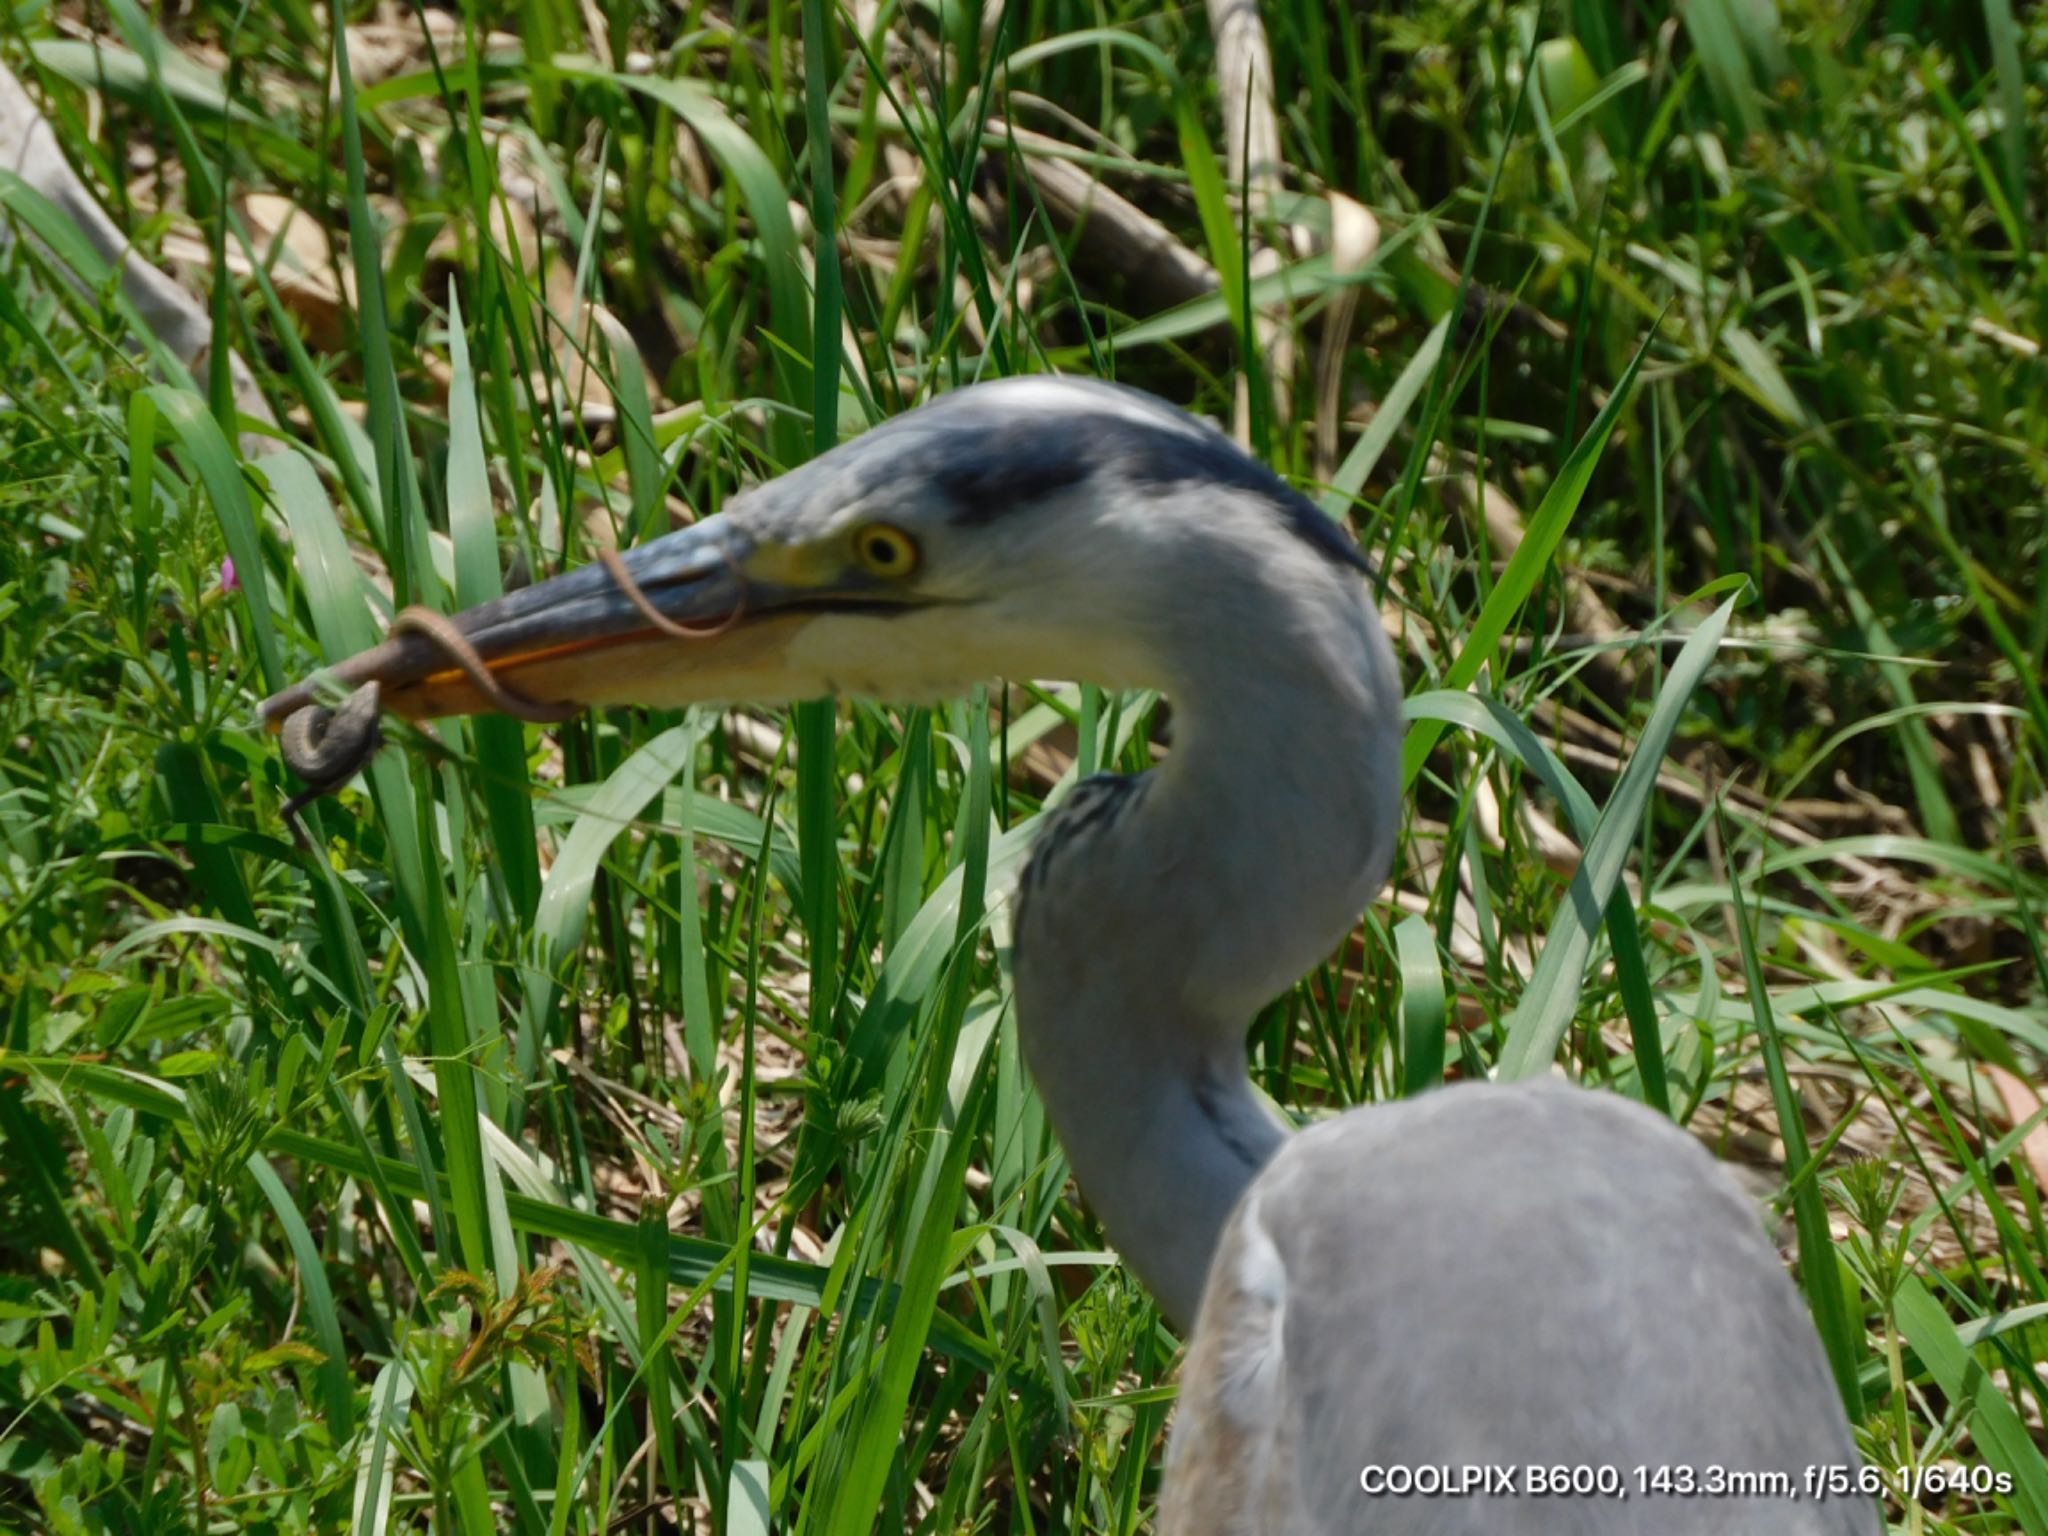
[1155,923]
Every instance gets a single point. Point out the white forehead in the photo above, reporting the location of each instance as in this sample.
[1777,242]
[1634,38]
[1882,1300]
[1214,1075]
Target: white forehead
[1050,395]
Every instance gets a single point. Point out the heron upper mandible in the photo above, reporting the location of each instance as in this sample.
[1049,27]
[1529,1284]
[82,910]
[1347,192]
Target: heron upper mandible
[1486,1276]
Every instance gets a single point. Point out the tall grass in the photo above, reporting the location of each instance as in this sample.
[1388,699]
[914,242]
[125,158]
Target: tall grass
[621,1126]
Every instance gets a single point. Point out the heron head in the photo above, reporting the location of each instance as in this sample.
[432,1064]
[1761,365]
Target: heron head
[1029,527]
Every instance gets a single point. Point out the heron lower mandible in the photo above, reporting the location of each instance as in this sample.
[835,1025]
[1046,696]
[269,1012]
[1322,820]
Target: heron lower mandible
[1486,1276]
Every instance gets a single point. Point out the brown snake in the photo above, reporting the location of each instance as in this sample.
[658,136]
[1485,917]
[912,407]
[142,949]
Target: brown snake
[328,747]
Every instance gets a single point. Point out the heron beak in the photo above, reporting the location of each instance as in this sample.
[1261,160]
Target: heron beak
[580,639]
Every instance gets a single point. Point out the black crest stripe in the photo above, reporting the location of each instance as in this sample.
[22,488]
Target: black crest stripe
[990,470]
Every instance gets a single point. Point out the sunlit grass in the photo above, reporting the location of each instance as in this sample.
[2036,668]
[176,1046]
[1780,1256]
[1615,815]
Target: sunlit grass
[621,1125]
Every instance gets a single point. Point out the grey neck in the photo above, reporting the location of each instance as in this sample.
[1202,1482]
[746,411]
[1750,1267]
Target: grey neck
[1157,921]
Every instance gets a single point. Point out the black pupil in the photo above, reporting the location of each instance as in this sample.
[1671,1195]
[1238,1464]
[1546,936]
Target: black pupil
[882,551]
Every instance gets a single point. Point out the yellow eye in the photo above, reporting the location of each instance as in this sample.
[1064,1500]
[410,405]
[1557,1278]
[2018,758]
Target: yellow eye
[885,550]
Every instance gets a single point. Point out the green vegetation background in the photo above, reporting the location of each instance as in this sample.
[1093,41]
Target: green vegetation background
[620,1126]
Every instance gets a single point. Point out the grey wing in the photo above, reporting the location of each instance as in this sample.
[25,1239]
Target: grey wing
[1501,1277]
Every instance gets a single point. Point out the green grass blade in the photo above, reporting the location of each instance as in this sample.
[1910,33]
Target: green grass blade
[767,202]
[336,1398]
[1364,455]
[1531,559]
[1424,1015]
[876,1451]
[563,912]
[565,901]
[220,471]
[397,477]
[1551,997]
[377,1467]
[499,741]
[334,585]
[747,1508]
[1820,1276]
[2004,35]
[1998,1433]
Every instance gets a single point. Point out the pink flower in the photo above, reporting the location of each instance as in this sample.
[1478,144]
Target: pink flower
[229,582]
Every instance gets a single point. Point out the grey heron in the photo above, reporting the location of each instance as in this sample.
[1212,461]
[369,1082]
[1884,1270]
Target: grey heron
[1495,1277]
